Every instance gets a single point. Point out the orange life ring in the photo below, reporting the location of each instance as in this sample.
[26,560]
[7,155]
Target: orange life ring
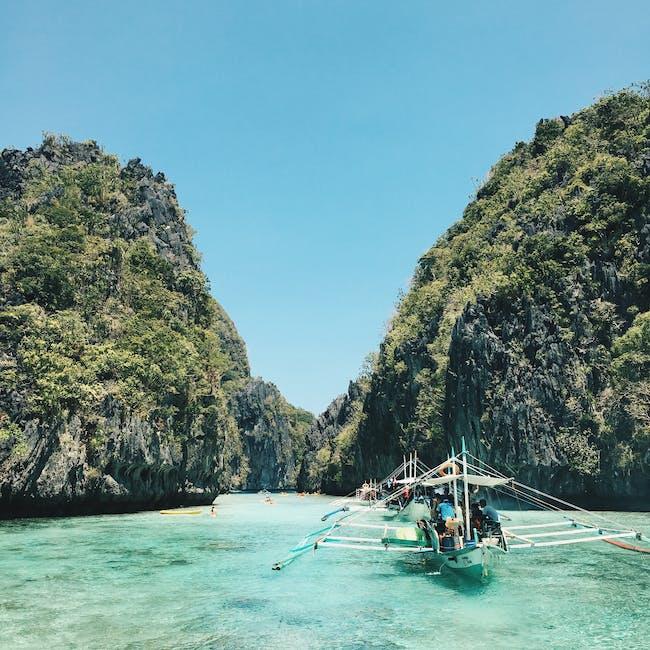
[446,465]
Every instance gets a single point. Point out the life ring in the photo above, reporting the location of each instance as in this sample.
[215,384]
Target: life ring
[446,465]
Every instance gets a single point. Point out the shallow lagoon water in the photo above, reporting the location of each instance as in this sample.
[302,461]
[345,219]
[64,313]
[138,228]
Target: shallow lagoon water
[147,580]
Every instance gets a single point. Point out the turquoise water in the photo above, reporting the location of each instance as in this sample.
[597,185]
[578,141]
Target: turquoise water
[146,580]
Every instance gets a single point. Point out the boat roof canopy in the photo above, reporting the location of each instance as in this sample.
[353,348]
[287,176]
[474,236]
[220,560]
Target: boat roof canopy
[487,481]
[472,479]
[441,480]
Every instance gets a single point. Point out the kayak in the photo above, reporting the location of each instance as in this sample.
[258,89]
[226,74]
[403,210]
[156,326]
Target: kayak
[181,512]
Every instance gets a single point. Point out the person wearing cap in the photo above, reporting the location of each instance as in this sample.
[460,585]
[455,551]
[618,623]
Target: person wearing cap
[446,509]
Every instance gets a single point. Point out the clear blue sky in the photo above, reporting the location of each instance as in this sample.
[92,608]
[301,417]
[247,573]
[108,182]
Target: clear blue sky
[319,147]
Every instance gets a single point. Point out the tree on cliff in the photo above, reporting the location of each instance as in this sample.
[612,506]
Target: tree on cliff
[525,326]
[118,369]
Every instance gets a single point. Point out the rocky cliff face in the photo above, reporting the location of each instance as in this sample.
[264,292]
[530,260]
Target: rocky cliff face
[58,470]
[123,384]
[273,436]
[324,466]
[526,328]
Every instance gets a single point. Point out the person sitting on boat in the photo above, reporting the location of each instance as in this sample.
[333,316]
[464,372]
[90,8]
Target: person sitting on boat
[435,502]
[446,509]
[448,523]
[489,511]
[491,519]
[447,515]
[476,517]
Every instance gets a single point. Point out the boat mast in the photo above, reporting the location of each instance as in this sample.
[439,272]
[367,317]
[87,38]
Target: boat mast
[453,455]
[465,489]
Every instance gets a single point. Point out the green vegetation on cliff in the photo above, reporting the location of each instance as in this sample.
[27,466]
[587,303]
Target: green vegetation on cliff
[109,336]
[526,325]
[89,312]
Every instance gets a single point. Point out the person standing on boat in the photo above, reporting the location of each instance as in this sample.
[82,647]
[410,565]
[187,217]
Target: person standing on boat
[476,518]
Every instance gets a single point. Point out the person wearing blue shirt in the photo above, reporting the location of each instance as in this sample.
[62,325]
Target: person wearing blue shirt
[446,510]
[442,511]
[489,511]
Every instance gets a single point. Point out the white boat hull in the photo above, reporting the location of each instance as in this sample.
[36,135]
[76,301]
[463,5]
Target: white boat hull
[475,563]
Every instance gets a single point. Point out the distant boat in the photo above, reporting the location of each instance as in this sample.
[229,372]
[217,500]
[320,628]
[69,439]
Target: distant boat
[464,544]
[405,504]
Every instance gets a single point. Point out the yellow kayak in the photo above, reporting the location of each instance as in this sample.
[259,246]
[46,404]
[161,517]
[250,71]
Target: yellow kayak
[181,512]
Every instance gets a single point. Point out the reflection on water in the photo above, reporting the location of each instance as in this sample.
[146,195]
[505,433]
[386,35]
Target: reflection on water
[145,580]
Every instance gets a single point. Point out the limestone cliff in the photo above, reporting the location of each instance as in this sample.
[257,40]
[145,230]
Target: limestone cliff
[273,436]
[324,467]
[120,375]
[526,327]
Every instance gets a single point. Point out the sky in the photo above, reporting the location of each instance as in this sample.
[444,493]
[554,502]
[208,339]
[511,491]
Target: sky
[318,147]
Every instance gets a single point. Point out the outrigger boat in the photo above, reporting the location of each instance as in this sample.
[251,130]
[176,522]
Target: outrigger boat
[458,547]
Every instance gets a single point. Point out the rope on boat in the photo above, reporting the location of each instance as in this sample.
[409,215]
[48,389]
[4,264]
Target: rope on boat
[565,503]
[419,466]
[541,502]
[520,492]
[540,499]
[518,495]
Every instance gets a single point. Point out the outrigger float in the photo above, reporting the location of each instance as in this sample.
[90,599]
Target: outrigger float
[459,547]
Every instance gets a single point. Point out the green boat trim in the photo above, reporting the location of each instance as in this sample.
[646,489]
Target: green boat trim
[407,536]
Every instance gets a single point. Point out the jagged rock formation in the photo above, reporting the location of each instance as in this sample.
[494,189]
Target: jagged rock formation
[118,370]
[273,436]
[526,328]
[321,470]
